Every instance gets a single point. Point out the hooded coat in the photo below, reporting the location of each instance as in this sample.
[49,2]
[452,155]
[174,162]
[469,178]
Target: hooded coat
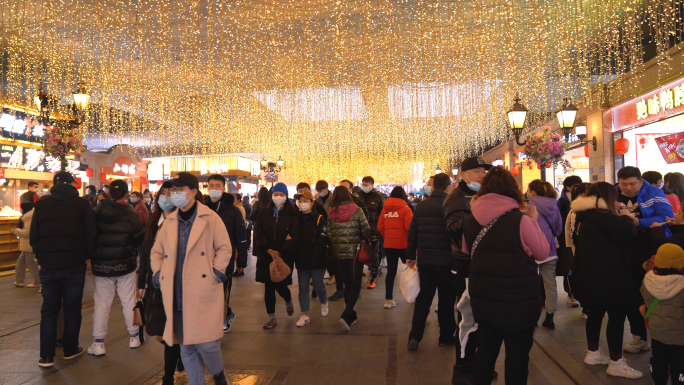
[235,225]
[63,230]
[550,222]
[666,322]
[23,233]
[271,231]
[347,226]
[119,232]
[394,223]
[602,266]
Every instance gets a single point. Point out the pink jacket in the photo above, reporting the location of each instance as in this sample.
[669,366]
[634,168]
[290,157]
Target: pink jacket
[490,206]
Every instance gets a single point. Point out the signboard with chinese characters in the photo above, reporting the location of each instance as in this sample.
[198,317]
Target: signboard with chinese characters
[123,166]
[671,147]
[31,159]
[21,129]
[653,106]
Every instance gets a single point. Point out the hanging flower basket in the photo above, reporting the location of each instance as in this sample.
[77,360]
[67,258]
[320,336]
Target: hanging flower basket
[545,148]
[61,139]
[271,177]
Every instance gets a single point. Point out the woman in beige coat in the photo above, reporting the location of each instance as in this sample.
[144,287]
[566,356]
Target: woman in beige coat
[193,298]
[26,258]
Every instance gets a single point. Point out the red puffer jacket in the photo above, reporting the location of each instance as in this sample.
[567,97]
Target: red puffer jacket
[394,223]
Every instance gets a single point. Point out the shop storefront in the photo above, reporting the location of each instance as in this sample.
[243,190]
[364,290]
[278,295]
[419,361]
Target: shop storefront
[122,162]
[648,131]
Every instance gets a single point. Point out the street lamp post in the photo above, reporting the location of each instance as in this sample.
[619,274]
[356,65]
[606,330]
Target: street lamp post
[566,117]
[516,118]
[272,167]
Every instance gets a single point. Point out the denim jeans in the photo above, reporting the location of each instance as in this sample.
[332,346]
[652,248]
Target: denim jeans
[304,277]
[195,356]
[547,271]
[63,286]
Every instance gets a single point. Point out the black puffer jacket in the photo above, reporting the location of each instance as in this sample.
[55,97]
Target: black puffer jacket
[119,232]
[374,202]
[427,236]
[347,226]
[456,208]
[271,231]
[602,268]
[312,252]
[235,225]
[63,232]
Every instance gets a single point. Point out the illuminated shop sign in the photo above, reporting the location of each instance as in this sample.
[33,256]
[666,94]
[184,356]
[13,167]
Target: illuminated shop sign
[658,104]
[32,159]
[21,129]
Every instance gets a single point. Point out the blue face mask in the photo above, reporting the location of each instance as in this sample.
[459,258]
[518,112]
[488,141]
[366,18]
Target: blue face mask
[322,195]
[179,199]
[133,200]
[428,190]
[366,189]
[215,194]
[474,186]
[165,203]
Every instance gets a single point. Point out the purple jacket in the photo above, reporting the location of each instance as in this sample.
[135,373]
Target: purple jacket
[550,221]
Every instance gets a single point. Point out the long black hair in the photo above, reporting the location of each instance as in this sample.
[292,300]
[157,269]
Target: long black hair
[264,198]
[153,220]
[400,193]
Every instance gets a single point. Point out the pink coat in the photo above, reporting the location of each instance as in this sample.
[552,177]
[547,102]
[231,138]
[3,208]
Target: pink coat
[203,297]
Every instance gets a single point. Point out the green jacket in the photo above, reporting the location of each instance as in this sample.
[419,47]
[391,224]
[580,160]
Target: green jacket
[347,226]
[666,322]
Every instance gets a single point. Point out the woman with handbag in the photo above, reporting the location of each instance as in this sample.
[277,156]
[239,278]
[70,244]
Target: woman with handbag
[543,198]
[347,228]
[276,236]
[154,306]
[504,245]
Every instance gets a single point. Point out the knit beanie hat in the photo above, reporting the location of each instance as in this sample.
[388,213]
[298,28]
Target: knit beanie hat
[280,187]
[669,256]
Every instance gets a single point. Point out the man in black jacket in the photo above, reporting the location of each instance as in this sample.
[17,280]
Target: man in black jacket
[63,236]
[429,245]
[224,205]
[456,208]
[374,203]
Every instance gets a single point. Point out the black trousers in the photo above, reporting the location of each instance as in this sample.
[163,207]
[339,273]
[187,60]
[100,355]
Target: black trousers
[637,326]
[227,288]
[667,358]
[351,272]
[614,329]
[393,258]
[171,360]
[270,295]
[432,279]
[518,344]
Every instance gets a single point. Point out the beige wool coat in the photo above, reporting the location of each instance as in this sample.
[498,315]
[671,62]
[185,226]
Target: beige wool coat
[203,297]
[24,232]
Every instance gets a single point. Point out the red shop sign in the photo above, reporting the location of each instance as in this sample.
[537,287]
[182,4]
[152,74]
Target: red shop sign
[671,147]
[658,104]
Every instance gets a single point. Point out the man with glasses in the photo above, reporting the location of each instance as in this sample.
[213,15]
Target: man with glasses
[188,261]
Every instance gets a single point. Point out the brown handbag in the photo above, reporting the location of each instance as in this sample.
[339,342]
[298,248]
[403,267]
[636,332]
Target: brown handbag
[279,270]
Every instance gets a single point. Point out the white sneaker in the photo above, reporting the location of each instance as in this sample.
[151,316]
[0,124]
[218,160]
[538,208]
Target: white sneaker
[17,284]
[324,309]
[572,302]
[596,358]
[389,303]
[619,368]
[637,345]
[33,285]
[134,342]
[97,349]
[303,321]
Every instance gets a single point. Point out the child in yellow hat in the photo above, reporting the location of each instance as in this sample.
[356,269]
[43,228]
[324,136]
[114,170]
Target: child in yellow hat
[663,292]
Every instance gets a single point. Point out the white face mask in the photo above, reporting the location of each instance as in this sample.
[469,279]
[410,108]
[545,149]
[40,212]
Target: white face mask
[179,199]
[148,200]
[215,194]
[304,206]
[279,201]
[428,190]
[366,189]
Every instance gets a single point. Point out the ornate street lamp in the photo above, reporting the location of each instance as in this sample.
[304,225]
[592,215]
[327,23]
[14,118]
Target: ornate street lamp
[81,97]
[581,132]
[264,163]
[454,170]
[516,118]
[438,170]
[566,117]
[280,162]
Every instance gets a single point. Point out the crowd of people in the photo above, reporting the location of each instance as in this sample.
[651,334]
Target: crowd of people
[484,246]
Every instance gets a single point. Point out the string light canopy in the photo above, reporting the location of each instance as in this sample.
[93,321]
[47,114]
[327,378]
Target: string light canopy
[340,89]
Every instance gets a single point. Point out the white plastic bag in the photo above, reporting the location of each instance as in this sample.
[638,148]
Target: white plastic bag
[409,284]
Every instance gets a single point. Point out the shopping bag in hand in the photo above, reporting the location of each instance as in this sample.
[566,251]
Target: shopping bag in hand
[139,319]
[279,270]
[409,285]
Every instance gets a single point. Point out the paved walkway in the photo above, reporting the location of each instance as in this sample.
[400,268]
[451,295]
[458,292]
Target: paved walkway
[374,352]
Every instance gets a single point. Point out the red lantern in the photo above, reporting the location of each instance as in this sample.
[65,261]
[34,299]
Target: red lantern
[239,186]
[103,177]
[642,141]
[530,167]
[622,146]
[89,172]
[143,180]
[159,183]
[538,167]
[515,170]
[111,180]
[78,183]
[586,151]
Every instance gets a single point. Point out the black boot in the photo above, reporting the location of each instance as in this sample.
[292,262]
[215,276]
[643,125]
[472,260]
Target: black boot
[220,379]
[548,322]
[171,359]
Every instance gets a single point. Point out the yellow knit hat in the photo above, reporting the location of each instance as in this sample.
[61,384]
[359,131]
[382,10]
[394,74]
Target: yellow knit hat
[669,256]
